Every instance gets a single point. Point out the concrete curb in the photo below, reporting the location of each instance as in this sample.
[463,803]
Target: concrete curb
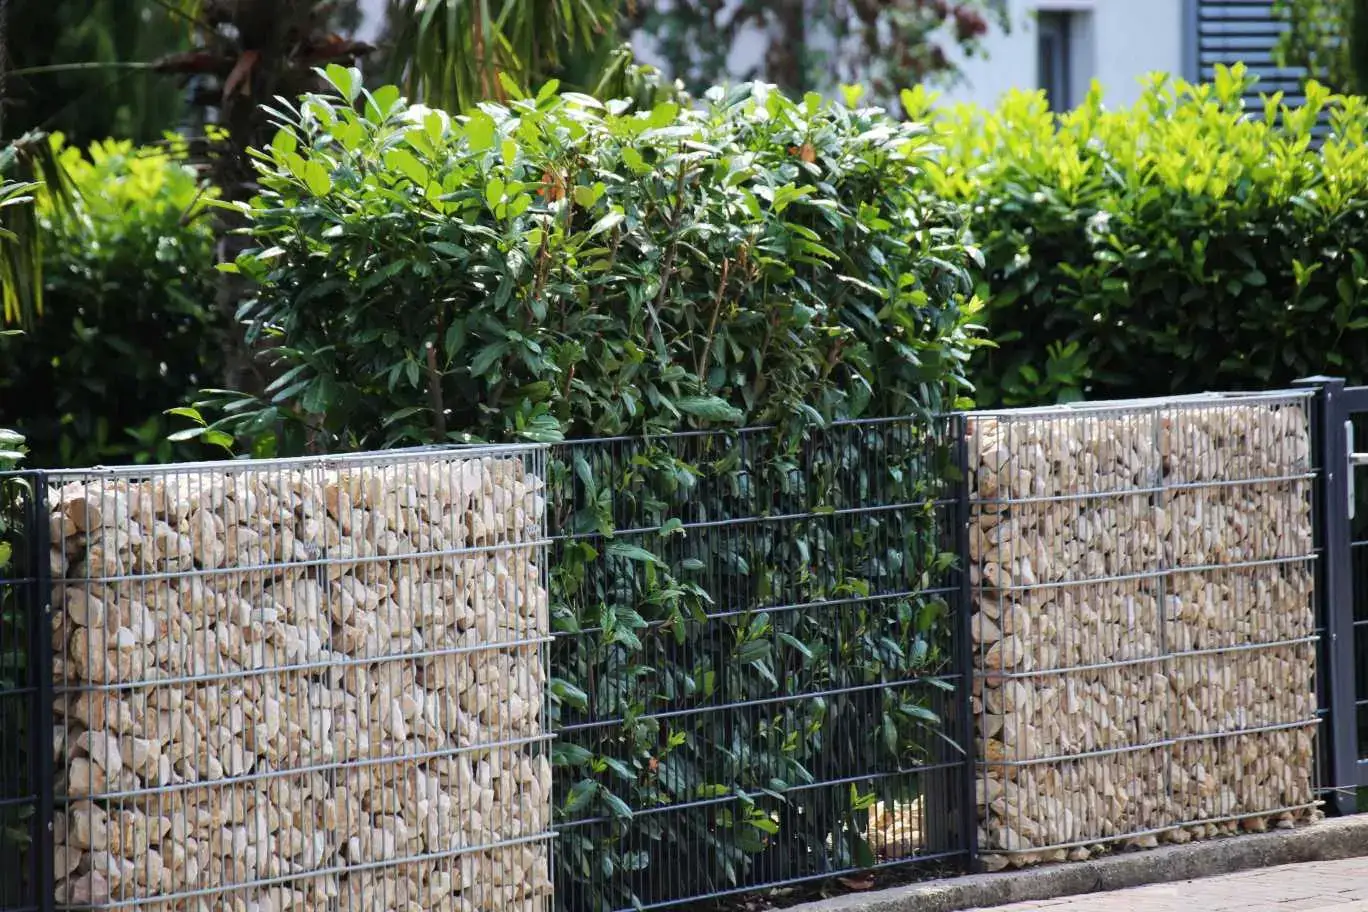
[1328,840]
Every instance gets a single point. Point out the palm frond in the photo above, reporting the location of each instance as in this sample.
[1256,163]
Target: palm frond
[619,75]
[451,53]
[21,253]
[28,165]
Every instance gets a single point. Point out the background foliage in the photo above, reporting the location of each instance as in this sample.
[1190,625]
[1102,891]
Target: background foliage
[101,99]
[448,53]
[818,45]
[1328,38]
[1173,246]
[127,329]
[561,267]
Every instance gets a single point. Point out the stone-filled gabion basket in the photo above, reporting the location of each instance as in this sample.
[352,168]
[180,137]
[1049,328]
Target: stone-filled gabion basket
[305,684]
[1143,627]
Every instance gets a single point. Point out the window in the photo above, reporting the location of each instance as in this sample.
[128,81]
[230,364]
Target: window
[1054,58]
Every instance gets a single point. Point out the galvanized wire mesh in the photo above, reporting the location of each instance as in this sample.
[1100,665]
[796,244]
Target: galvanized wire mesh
[304,684]
[755,660]
[1144,623]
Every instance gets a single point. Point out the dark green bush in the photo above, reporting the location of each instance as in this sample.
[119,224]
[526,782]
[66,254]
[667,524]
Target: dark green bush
[128,326]
[563,268]
[1182,244]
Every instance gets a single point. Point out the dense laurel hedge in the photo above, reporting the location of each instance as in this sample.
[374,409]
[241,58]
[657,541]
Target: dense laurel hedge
[560,268]
[128,327]
[1178,245]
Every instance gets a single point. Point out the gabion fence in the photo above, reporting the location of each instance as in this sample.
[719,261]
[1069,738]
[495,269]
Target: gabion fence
[1144,623]
[302,684]
[637,672]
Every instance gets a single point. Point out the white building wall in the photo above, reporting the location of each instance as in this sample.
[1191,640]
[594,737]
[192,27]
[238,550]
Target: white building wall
[372,19]
[1115,41]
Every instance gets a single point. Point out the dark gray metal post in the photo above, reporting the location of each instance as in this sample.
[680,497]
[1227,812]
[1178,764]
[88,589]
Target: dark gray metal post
[1192,40]
[40,667]
[1336,595]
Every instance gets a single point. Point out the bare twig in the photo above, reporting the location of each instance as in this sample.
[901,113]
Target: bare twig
[667,266]
[712,323]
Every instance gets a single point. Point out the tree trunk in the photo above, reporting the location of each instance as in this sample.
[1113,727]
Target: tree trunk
[249,52]
[265,28]
[1358,45]
[786,58]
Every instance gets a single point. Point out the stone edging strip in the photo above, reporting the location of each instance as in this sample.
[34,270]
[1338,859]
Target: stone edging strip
[1327,840]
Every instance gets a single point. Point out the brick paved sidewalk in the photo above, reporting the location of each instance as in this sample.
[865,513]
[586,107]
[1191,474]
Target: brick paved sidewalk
[1340,886]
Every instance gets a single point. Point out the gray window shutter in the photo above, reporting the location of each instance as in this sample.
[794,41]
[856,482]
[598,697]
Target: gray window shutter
[1232,31]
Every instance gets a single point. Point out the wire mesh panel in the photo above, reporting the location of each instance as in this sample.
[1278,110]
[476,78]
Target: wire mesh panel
[25,849]
[1144,628]
[754,669]
[305,684]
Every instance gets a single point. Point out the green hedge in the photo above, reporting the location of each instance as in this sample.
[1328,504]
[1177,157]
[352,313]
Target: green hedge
[559,268]
[1182,244]
[128,327]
